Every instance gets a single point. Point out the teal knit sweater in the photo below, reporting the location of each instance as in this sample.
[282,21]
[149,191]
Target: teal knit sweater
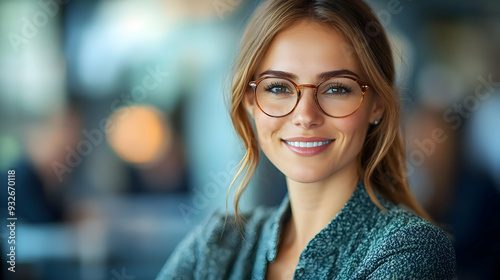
[361,242]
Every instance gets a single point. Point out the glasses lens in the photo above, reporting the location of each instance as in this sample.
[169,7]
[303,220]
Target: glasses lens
[276,96]
[339,96]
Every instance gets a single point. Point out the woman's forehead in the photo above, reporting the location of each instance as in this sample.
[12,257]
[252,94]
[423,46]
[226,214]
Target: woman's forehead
[307,49]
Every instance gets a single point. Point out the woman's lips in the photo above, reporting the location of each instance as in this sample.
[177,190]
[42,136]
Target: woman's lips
[308,146]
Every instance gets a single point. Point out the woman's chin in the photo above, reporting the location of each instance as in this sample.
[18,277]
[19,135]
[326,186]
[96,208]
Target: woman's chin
[305,176]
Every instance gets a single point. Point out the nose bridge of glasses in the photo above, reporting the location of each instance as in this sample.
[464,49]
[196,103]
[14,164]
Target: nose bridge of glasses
[301,87]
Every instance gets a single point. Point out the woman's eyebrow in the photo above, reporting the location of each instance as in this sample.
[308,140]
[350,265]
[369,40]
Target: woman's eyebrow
[320,76]
[278,73]
[328,74]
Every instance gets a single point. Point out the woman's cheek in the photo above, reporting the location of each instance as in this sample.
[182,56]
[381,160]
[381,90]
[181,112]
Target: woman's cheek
[353,128]
[266,130]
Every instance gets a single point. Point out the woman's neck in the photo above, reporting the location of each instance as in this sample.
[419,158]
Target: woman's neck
[314,205]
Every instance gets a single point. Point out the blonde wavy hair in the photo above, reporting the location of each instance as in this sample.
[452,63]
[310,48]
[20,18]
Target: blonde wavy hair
[383,165]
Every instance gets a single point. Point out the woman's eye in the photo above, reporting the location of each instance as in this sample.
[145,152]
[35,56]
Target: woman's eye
[337,90]
[278,89]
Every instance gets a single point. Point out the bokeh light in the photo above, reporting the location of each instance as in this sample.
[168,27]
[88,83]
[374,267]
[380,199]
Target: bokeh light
[139,134]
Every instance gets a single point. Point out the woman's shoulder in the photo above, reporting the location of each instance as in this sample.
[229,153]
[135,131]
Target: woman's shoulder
[399,226]
[221,230]
[217,244]
[396,219]
[406,242]
[220,227]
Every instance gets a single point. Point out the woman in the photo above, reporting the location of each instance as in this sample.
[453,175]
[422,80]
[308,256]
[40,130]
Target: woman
[316,77]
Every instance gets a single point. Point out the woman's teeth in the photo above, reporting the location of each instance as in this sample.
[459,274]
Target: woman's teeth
[308,144]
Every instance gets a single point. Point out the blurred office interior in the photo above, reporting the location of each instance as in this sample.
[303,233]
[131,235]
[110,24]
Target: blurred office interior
[113,116]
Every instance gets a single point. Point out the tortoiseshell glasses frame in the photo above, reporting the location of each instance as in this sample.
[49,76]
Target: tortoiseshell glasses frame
[298,88]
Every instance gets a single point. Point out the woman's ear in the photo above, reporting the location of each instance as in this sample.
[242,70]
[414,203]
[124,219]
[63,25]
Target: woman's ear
[249,102]
[377,109]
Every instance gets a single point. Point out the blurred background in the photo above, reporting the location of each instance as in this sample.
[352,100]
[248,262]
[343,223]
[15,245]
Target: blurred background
[113,117]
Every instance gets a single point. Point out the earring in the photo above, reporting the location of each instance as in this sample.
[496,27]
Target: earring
[376,122]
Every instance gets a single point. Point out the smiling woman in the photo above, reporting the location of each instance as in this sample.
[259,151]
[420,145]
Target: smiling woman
[317,81]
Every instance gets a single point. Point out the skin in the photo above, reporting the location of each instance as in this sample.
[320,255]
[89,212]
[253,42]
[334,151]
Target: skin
[318,185]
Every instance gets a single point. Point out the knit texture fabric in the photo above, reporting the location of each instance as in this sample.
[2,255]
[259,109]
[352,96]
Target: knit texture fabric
[361,242]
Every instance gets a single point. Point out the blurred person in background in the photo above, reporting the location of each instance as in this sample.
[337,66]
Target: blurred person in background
[51,191]
[47,186]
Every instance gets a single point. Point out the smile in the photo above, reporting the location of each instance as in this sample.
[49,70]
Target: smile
[307,144]
[307,147]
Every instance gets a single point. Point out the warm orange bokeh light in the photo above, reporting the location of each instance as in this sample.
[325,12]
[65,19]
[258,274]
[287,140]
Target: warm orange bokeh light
[140,134]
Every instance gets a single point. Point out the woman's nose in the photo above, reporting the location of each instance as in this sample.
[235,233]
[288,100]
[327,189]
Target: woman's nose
[307,112]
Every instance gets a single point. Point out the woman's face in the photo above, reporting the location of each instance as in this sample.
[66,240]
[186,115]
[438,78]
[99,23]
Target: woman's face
[304,51]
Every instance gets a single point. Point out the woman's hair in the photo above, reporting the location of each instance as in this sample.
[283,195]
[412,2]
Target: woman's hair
[383,165]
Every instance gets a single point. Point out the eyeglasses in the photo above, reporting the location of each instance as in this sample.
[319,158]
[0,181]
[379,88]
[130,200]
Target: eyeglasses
[337,96]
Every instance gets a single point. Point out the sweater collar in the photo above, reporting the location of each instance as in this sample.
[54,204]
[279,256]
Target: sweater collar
[353,215]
